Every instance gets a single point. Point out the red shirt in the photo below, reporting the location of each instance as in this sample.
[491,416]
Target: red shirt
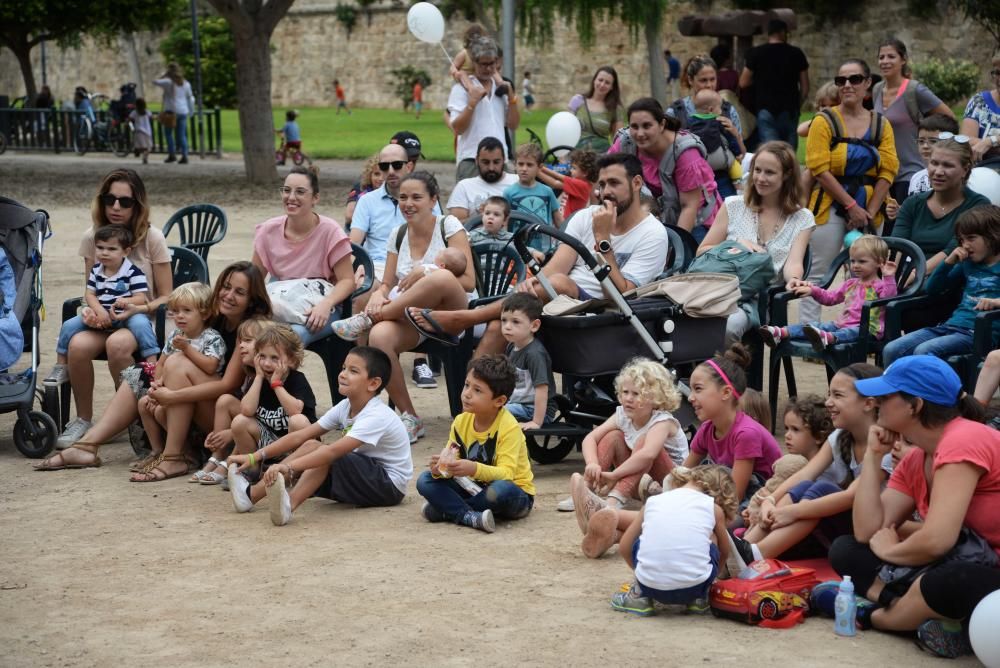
[577,195]
[418,93]
[962,441]
[339,92]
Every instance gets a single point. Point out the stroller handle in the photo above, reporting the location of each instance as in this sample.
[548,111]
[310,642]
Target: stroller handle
[521,237]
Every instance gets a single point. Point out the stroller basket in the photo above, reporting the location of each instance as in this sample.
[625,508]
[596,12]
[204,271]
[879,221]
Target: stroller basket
[593,344]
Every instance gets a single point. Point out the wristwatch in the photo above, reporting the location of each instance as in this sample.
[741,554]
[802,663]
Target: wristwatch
[603,246]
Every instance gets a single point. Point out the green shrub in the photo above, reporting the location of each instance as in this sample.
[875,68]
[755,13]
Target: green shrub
[951,80]
[218,57]
[405,77]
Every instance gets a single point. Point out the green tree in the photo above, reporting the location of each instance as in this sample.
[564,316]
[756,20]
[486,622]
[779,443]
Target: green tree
[405,77]
[252,22]
[218,57]
[25,23]
[984,12]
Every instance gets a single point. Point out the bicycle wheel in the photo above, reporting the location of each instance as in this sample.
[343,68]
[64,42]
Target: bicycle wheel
[3,143]
[82,134]
[120,138]
[298,157]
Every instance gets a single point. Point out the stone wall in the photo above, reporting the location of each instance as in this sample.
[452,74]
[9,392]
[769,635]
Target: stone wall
[311,48]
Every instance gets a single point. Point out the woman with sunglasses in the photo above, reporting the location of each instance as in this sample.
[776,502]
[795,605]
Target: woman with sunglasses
[925,576]
[121,200]
[852,173]
[304,244]
[903,101]
[982,119]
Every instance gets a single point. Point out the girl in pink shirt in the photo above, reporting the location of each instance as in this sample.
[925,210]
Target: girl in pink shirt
[303,244]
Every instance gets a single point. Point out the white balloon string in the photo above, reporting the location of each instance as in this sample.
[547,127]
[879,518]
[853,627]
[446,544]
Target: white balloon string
[441,44]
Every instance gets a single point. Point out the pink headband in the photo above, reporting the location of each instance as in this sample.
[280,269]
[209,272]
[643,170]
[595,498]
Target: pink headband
[723,376]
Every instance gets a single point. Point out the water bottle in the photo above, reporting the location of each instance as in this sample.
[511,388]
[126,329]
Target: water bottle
[845,608]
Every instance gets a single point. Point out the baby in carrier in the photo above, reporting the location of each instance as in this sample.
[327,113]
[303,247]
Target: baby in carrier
[721,146]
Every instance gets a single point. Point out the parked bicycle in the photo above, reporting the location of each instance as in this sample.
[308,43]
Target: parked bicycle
[113,134]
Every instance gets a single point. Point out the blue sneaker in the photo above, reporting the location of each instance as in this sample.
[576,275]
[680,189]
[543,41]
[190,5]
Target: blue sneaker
[943,638]
[823,600]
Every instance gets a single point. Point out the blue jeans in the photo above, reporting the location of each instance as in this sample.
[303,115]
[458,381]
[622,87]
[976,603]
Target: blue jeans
[777,127]
[941,341]
[308,337]
[139,325]
[503,497]
[843,334]
[177,138]
[699,233]
[810,491]
[524,413]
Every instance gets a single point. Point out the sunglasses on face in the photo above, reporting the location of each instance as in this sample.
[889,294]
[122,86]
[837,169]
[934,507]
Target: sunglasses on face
[109,200]
[961,139]
[395,164]
[854,80]
[995,73]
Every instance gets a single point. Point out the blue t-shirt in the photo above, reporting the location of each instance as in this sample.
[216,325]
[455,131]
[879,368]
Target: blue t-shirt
[292,132]
[538,200]
[979,280]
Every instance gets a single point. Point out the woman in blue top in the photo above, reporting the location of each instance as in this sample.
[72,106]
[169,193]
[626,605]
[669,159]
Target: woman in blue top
[982,118]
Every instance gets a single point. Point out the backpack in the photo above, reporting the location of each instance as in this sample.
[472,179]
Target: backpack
[766,590]
[720,158]
[755,271]
[670,200]
[851,183]
[909,98]
[401,233]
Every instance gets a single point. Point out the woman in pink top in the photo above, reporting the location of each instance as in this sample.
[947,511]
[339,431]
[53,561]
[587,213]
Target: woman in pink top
[304,244]
[653,134]
[930,574]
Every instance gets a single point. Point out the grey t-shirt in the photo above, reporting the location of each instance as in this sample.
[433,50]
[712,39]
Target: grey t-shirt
[534,368]
[836,472]
[905,130]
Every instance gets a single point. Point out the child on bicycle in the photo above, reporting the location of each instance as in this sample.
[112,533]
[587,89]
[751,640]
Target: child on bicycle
[291,136]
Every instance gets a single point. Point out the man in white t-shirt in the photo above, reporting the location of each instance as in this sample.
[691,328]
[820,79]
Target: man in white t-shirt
[470,194]
[632,243]
[484,111]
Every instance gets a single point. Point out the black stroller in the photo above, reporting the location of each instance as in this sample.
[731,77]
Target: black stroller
[22,234]
[590,348]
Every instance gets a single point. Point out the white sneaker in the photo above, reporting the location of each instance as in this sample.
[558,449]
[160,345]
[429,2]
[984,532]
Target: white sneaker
[280,503]
[56,377]
[74,432]
[239,488]
[566,505]
[414,427]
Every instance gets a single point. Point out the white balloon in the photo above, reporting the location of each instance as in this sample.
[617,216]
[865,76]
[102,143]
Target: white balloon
[986,182]
[983,626]
[563,129]
[425,22]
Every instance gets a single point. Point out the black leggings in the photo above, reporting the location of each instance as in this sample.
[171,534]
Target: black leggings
[952,590]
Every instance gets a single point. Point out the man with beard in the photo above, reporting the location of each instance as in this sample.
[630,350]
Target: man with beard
[631,242]
[377,213]
[482,111]
[469,194]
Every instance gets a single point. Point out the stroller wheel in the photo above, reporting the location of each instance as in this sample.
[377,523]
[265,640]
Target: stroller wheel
[36,436]
[551,450]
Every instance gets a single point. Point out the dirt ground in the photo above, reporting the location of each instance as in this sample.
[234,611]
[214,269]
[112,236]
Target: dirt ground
[95,570]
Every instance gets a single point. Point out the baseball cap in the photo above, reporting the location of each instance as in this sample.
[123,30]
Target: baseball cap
[410,142]
[924,376]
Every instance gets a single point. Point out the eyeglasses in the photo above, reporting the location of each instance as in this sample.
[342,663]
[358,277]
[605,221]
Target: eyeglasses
[488,63]
[299,192]
[395,164]
[961,139]
[854,80]
[928,141]
[109,200]
[995,73]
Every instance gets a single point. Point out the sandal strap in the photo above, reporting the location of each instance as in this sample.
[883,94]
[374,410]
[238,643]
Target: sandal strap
[173,458]
[84,447]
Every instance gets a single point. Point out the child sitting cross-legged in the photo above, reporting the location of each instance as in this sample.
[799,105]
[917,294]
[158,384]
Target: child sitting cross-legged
[368,465]
[642,437]
[677,542]
[531,404]
[869,255]
[491,453]
[191,306]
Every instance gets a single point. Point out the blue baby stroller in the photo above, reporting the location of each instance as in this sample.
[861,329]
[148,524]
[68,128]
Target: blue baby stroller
[22,234]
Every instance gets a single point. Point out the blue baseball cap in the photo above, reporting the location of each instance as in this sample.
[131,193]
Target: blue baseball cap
[924,376]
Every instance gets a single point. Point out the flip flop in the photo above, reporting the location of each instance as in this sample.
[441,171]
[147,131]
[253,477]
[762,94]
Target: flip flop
[438,334]
[47,465]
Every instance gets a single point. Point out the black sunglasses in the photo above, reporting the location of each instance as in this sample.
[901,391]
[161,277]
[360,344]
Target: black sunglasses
[854,79]
[109,200]
[395,164]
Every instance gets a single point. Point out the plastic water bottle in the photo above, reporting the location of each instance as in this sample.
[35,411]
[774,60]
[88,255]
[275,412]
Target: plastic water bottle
[845,608]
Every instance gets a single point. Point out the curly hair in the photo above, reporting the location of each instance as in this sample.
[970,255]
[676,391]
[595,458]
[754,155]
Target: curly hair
[811,409]
[652,381]
[282,337]
[714,480]
[193,294]
[366,173]
[586,161]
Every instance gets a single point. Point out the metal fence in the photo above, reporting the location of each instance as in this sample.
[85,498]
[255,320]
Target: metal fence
[56,131]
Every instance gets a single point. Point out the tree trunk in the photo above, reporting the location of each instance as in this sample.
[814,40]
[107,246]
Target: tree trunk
[253,90]
[22,51]
[654,49]
[134,67]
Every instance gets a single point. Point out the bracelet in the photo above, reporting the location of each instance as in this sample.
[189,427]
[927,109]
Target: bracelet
[850,206]
[251,460]
[275,384]
[260,454]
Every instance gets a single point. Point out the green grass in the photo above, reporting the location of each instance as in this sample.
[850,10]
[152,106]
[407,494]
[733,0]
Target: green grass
[365,131]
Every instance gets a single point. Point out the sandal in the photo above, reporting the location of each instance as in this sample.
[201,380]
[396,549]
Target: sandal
[141,464]
[203,473]
[157,474]
[436,333]
[213,478]
[50,465]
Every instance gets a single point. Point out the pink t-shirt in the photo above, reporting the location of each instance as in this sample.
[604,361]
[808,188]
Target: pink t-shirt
[962,441]
[690,173]
[747,439]
[312,257]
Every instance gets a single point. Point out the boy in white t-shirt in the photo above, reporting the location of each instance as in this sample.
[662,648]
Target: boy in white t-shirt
[369,465]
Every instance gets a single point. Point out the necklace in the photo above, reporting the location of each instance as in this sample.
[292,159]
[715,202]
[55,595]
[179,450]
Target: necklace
[945,207]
